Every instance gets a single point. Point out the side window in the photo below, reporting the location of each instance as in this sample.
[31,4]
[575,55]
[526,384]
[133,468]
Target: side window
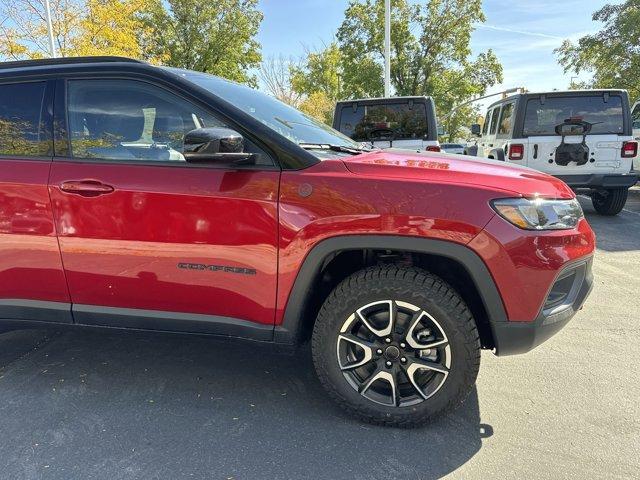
[131,120]
[487,120]
[635,115]
[22,131]
[506,115]
[494,121]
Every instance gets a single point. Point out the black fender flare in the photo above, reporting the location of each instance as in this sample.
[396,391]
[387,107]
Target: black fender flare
[290,330]
[471,150]
[497,154]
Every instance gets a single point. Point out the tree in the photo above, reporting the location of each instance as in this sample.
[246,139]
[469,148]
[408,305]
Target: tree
[214,37]
[430,50]
[80,27]
[612,55]
[275,74]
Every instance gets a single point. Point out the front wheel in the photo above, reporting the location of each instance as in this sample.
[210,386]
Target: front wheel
[396,346]
[610,201]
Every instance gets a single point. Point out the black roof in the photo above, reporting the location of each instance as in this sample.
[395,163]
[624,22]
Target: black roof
[558,93]
[66,61]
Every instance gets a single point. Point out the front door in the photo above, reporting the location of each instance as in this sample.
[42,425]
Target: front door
[159,242]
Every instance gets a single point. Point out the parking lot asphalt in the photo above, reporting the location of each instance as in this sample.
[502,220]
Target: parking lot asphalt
[111,405]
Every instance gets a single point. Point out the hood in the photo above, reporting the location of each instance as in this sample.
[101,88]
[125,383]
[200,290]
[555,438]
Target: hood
[459,169]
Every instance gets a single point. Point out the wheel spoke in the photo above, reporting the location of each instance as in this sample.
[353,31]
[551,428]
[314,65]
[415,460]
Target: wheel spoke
[417,365]
[367,347]
[380,332]
[423,346]
[384,376]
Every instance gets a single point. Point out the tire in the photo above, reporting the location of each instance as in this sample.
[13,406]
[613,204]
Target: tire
[611,202]
[471,150]
[427,312]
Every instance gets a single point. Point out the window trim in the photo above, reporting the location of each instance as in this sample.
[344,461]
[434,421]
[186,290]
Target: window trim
[626,113]
[497,110]
[45,123]
[178,92]
[500,119]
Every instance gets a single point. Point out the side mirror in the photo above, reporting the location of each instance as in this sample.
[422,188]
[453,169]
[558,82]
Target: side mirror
[475,129]
[216,145]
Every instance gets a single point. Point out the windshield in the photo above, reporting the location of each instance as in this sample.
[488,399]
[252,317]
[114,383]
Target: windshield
[379,121]
[285,120]
[605,114]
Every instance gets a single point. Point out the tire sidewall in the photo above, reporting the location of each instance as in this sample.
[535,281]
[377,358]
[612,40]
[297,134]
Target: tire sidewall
[333,315]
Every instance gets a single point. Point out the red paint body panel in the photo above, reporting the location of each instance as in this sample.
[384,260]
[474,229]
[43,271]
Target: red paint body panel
[433,196]
[524,264]
[342,203]
[459,169]
[30,266]
[122,249]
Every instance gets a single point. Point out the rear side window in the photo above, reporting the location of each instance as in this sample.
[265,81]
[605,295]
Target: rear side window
[506,119]
[635,115]
[604,114]
[22,132]
[494,121]
[368,122]
[487,120]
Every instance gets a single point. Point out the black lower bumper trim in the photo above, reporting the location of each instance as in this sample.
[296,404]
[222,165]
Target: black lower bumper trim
[512,338]
[600,180]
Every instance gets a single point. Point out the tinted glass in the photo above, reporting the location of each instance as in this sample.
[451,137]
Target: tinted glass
[605,117]
[368,122]
[494,120]
[487,120]
[283,119]
[21,129]
[130,120]
[506,119]
[635,116]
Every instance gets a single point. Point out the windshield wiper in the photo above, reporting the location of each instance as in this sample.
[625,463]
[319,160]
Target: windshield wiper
[334,148]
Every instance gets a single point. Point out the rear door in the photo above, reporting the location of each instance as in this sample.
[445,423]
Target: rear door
[605,112]
[32,282]
[489,130]
[635,122]
[148,240]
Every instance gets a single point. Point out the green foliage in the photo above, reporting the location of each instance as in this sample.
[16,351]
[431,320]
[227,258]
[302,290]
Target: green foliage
[214,37]
[612,55]
[431,55]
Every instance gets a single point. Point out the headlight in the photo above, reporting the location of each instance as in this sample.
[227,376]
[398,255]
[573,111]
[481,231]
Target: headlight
[539,213]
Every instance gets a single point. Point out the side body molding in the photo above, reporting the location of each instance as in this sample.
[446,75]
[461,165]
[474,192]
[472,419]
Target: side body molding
[290,329]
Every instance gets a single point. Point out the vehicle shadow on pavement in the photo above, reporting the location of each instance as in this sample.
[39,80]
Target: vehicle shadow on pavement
[101,404]
[620,233]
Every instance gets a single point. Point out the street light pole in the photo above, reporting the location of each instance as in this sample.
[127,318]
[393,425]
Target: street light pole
[387,48]
[52,46]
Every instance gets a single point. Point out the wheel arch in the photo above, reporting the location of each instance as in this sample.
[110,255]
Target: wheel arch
[296,313]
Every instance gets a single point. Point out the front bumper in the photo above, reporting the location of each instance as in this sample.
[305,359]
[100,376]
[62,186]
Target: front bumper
[511,338]
[601,180]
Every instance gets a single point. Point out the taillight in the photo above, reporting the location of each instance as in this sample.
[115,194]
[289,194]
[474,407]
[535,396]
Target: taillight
[516,151]
[433,148]
[629,149]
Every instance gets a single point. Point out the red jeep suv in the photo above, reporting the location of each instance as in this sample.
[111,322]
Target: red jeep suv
[150,198]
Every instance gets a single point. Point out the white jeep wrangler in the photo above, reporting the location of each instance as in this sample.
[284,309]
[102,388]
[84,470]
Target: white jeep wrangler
[583,137]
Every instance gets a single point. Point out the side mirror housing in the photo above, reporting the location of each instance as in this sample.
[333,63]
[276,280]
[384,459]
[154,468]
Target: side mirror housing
[475,129]
[216,145]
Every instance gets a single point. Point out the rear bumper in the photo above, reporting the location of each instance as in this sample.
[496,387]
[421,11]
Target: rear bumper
[600,180]
[511,338]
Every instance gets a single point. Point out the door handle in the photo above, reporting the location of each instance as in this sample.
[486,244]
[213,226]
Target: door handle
[535,151]
[86,188]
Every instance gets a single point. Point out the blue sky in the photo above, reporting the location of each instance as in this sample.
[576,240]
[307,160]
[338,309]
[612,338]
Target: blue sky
[522,33]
